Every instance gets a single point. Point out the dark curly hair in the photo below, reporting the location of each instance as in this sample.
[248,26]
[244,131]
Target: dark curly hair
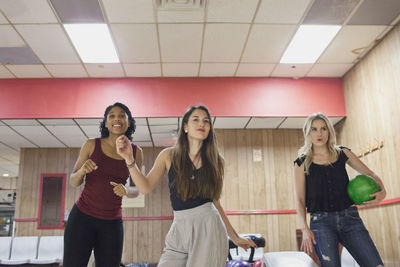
[132,126]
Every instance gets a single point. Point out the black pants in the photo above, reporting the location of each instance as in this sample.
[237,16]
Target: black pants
[84,233]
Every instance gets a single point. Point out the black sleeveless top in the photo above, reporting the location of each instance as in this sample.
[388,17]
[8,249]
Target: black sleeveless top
[176,201]
[326,185]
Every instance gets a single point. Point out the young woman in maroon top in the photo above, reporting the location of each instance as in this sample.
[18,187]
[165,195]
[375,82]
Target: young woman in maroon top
[321,187]
[94,222]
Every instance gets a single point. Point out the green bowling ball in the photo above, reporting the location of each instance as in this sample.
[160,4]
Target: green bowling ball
[360,188]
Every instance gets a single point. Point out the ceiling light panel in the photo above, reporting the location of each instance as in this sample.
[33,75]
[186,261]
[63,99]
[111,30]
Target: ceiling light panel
[93,42]
[309,42]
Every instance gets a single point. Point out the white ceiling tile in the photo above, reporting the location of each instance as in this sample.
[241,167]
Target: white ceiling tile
[28,11]
[141,121]
[141,133]
[52,122]
[144,144]
[217,69]
[7,152]
[329,70]
[267,43]
[224,42]
[21,122]
[8,167]
[293,123]
[89,121]
[49,43]
[180,69]
[12,139]
[9,37]
[1,123]
[291,70]
[335,120]
[163,128]
[105,70]
[348,39]
[180,16]
[163,140]
[3,19]
[29,71]
[254,70]
[282,11]
[70,135]
[180,42]
[137,43]
[92,131]
[39,135]
[4,73]
[230,122]
[163,121]
[67,71]
[128,11]
[231,10]
[143,70]
[13,158]
[264,123]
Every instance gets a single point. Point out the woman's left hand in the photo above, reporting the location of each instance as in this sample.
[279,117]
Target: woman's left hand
[119,189]
[379,196]
[244,243]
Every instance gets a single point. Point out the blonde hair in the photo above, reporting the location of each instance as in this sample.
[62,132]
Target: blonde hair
[307,150]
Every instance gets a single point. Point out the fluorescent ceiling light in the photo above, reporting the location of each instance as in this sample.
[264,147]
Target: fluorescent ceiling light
[5,175]
[93,42]
[309,42]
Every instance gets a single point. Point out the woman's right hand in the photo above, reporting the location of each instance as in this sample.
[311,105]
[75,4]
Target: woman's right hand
[308,242]
[124,148]
[88,167]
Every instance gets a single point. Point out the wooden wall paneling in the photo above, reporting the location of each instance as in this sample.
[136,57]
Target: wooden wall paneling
[372,94]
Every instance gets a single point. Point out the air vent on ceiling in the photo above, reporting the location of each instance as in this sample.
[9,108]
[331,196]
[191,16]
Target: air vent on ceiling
[180,4]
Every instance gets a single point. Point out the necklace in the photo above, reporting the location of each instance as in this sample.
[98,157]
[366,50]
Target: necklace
[195,161]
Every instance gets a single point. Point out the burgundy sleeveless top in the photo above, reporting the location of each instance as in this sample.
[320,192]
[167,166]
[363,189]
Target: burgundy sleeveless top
[97,198]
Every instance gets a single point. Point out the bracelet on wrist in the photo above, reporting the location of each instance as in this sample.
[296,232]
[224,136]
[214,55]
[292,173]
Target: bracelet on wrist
[131,165]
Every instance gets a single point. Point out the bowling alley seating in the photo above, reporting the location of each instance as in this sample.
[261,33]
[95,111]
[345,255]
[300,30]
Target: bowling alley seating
[28,250]
[288,259]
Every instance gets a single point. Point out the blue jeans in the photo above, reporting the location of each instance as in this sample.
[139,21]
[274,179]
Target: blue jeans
[346,227]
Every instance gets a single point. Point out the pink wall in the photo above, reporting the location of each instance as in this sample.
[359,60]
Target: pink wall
[170,97]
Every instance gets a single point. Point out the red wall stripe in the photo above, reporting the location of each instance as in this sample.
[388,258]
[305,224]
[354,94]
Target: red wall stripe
[170,97]
[232,212]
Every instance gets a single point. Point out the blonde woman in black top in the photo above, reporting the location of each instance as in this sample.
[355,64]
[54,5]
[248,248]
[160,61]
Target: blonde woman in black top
[321,187]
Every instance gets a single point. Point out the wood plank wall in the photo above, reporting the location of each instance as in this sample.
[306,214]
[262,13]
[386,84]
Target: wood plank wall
[372,94]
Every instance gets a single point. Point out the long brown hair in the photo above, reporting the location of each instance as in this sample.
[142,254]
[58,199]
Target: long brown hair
[307,149]
[209,178]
